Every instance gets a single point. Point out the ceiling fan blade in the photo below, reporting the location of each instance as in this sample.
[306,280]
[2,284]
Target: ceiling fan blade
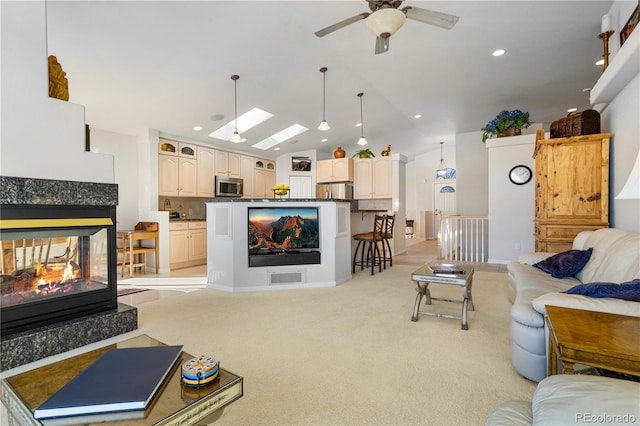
[382,45]
[439,19]
[331,28]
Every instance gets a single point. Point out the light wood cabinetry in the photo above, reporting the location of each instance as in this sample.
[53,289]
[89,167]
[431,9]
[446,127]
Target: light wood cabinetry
[187,244]
[572,189]
[205,175]
[372,178]
[177,168]
[177,176]
[263,183]
[335,170]
[227,164]
[247,166]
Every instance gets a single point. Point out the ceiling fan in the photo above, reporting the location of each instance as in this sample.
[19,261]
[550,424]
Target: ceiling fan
[385,19]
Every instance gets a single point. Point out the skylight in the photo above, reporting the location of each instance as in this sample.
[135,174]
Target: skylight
[245,122]
[280,137]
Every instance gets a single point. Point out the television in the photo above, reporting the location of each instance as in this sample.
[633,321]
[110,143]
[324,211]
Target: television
[283,236]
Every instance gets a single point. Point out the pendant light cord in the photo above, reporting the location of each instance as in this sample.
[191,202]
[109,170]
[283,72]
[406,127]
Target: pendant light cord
[235,98]
[324,103]
[361,119]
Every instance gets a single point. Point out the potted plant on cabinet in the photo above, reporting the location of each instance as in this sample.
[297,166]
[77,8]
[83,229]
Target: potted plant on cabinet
[364,153]
[506,123]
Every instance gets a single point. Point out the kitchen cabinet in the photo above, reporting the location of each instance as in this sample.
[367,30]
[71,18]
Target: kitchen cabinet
[247,166]
[372,178]
[227,164]
[205,175]
[572,189]
[177,176]
[263,183]
[187,244]
[178,149]
[335,170]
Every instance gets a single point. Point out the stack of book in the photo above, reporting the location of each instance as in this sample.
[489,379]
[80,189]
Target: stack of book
[118,385]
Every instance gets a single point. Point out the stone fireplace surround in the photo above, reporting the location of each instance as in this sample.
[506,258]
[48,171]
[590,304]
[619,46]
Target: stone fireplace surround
[40,342]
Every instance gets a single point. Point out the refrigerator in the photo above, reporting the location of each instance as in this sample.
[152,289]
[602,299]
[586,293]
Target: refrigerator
[338,191]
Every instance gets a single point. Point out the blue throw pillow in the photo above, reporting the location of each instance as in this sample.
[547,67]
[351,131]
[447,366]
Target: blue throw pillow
[565,264]
[625,291]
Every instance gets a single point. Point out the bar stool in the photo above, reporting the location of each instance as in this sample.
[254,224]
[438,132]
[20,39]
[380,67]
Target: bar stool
[387,234]
[370,240]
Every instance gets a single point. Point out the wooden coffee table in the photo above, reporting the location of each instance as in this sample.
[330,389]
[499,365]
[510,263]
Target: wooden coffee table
[597,339]
[174,404]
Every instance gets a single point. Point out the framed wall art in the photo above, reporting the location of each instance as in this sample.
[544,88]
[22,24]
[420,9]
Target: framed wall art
[629,26]
[301,164]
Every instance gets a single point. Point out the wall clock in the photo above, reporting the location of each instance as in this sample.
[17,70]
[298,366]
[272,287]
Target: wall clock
[520,174]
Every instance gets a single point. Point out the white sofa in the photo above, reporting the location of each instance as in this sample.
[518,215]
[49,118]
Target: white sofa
[615,258]
[573,400]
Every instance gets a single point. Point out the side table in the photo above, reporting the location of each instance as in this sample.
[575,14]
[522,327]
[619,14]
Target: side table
[597,339]
[174,404]
[424,276]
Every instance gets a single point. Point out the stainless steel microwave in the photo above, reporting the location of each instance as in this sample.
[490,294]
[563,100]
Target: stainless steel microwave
[228,186]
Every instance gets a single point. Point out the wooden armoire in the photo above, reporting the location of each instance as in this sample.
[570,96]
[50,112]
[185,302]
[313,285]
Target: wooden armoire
[572,189]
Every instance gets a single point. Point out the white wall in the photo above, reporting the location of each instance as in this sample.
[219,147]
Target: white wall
[511,207]
[621,118]
[41,137]
[472,182]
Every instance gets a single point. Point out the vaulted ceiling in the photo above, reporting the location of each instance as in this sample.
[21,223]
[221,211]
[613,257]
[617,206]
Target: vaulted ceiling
[167,65]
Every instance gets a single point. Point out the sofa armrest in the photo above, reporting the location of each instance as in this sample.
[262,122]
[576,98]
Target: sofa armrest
[531,258]
[578,301]
[579,399]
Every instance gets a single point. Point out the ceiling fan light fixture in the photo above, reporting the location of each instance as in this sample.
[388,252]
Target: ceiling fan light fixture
[385,22]
[324,126]
[236,138]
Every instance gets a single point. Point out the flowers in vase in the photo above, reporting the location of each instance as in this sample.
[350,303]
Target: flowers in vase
[517,119]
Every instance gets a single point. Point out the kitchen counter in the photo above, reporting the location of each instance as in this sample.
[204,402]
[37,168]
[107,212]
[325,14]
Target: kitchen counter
[187,220]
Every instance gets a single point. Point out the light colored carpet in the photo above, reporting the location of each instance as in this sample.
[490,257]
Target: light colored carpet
[351,355]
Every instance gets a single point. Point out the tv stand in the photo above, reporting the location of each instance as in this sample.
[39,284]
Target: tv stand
[284,258]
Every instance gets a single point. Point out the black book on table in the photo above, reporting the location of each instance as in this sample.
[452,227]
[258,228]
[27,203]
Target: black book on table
[446,268]
[122,379]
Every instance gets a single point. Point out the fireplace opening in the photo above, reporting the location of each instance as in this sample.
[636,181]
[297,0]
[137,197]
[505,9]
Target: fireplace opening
[56,263]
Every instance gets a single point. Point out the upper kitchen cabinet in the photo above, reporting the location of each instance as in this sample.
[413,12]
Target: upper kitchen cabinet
[177,176]
[227,164]
[372,178]
[335,170]
[205,175]
[247,165]
[178,149]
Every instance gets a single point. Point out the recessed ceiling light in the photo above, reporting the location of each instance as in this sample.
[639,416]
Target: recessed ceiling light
[600,62]
[417,116]
[277,148]
[499,52]
[572,109]
[197,128]
[359,125]
[324,140]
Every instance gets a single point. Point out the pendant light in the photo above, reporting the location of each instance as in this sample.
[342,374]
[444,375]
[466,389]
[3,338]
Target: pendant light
[324,126]
[362,140]
[442,167]
[235,138]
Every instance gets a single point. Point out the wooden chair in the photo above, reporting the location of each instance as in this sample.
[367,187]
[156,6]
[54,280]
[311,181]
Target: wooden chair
[370,240]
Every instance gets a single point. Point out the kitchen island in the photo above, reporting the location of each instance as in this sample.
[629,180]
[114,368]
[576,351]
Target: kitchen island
[306,244]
